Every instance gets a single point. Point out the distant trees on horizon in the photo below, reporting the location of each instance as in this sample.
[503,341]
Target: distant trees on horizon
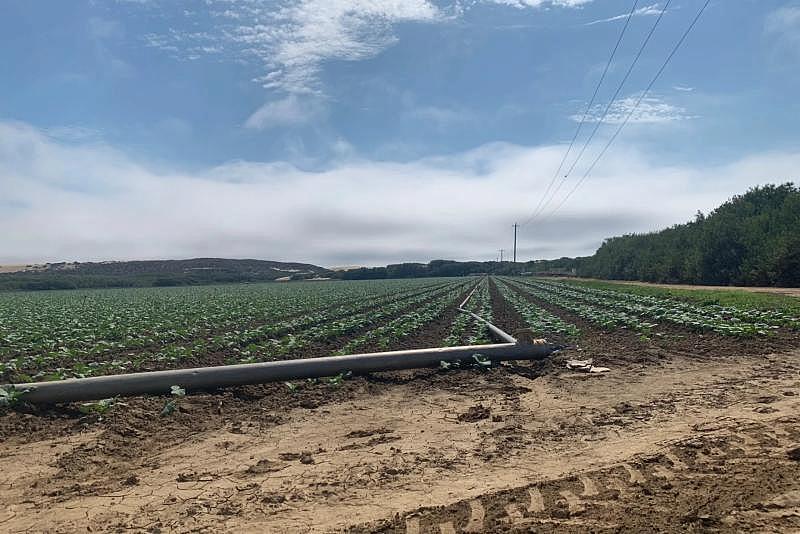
[752,239]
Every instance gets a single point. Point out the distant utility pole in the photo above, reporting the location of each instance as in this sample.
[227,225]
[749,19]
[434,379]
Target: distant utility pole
[501,255]
[515,242]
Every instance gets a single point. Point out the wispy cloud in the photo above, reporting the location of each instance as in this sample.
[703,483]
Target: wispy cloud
[72,133]
[683,88]
[295,39]
[521,4]
[784,24]
[291,42]
[652,9]
[651,109]
[290,111]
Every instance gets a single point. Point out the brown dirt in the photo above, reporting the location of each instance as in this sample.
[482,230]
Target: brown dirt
[678,437]
[790,291]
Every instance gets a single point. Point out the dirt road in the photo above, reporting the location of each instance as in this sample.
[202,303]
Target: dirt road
[682,444]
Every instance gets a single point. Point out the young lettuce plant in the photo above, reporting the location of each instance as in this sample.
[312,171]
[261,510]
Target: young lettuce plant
[171,405]
[11,396]
[100,407]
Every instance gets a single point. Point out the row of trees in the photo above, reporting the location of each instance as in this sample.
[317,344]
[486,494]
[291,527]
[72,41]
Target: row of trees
[753,239]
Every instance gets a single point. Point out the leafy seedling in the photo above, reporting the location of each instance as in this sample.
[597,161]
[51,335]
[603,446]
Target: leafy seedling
[337,380]
[100,407]
[172,405]
[292,387]
[11,396]
[481,362]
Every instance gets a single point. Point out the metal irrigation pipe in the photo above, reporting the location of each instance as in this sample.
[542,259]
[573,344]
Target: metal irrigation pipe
[508,338]
[159,382]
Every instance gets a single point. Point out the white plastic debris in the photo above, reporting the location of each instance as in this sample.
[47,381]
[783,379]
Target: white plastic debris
[585,366]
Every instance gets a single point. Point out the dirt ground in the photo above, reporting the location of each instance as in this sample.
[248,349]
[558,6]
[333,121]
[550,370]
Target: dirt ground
[686,433]
[685,445]
[790,291]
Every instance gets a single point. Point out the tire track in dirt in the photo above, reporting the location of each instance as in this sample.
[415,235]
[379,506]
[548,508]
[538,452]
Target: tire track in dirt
[732,477]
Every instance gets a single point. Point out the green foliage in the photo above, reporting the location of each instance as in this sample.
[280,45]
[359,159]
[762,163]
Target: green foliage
[481,362]
[736,298]
[10,396]
[610,308]
[171,405]
[751,240]
[100,407]
[57,335]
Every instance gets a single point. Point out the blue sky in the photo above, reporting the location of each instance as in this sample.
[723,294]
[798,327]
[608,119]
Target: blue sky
[375,131]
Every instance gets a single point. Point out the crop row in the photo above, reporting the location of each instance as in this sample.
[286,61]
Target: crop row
[105,321]
[465,328]
[538,319]
[673,309]
[692,316]
[600,315]
[414,320]
[263,342]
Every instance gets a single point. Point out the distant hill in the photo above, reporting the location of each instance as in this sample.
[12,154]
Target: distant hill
[157,273]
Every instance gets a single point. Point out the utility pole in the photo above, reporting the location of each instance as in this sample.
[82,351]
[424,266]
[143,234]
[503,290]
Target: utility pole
[501,255]
[515,242]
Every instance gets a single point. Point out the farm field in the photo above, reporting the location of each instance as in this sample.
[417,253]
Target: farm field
[696,426]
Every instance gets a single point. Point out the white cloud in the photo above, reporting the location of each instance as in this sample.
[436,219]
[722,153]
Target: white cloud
[784,20]
[289,111]
[651,109]
[521,4]
[72,133]
[683,88]
[68,202]
[295,38]
[292,40]
[784,25]
[652,9]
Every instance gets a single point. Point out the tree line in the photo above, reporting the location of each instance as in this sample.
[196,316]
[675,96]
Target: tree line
[752,239]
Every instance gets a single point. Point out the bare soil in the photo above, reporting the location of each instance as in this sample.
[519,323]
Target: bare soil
[687,433]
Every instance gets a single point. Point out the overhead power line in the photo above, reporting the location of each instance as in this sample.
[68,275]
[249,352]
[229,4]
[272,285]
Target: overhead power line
[585,116]
[642,96]
[608,107]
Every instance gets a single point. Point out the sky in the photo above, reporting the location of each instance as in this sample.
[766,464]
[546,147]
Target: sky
[367,132]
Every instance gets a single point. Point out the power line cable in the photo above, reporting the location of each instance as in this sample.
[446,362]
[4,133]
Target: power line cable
[633,109]
[610,104]
[585,116]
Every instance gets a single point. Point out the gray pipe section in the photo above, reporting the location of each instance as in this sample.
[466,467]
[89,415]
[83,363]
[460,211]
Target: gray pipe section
[495,330]
[159,382]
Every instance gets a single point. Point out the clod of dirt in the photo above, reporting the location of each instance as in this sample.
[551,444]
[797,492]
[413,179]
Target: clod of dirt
[265,466]
[191,476]
[766,409]
[367,433]
[624,407]
[273,498]
[794,454]
[767,399]
[475,413]
[131,481]
[304,457]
